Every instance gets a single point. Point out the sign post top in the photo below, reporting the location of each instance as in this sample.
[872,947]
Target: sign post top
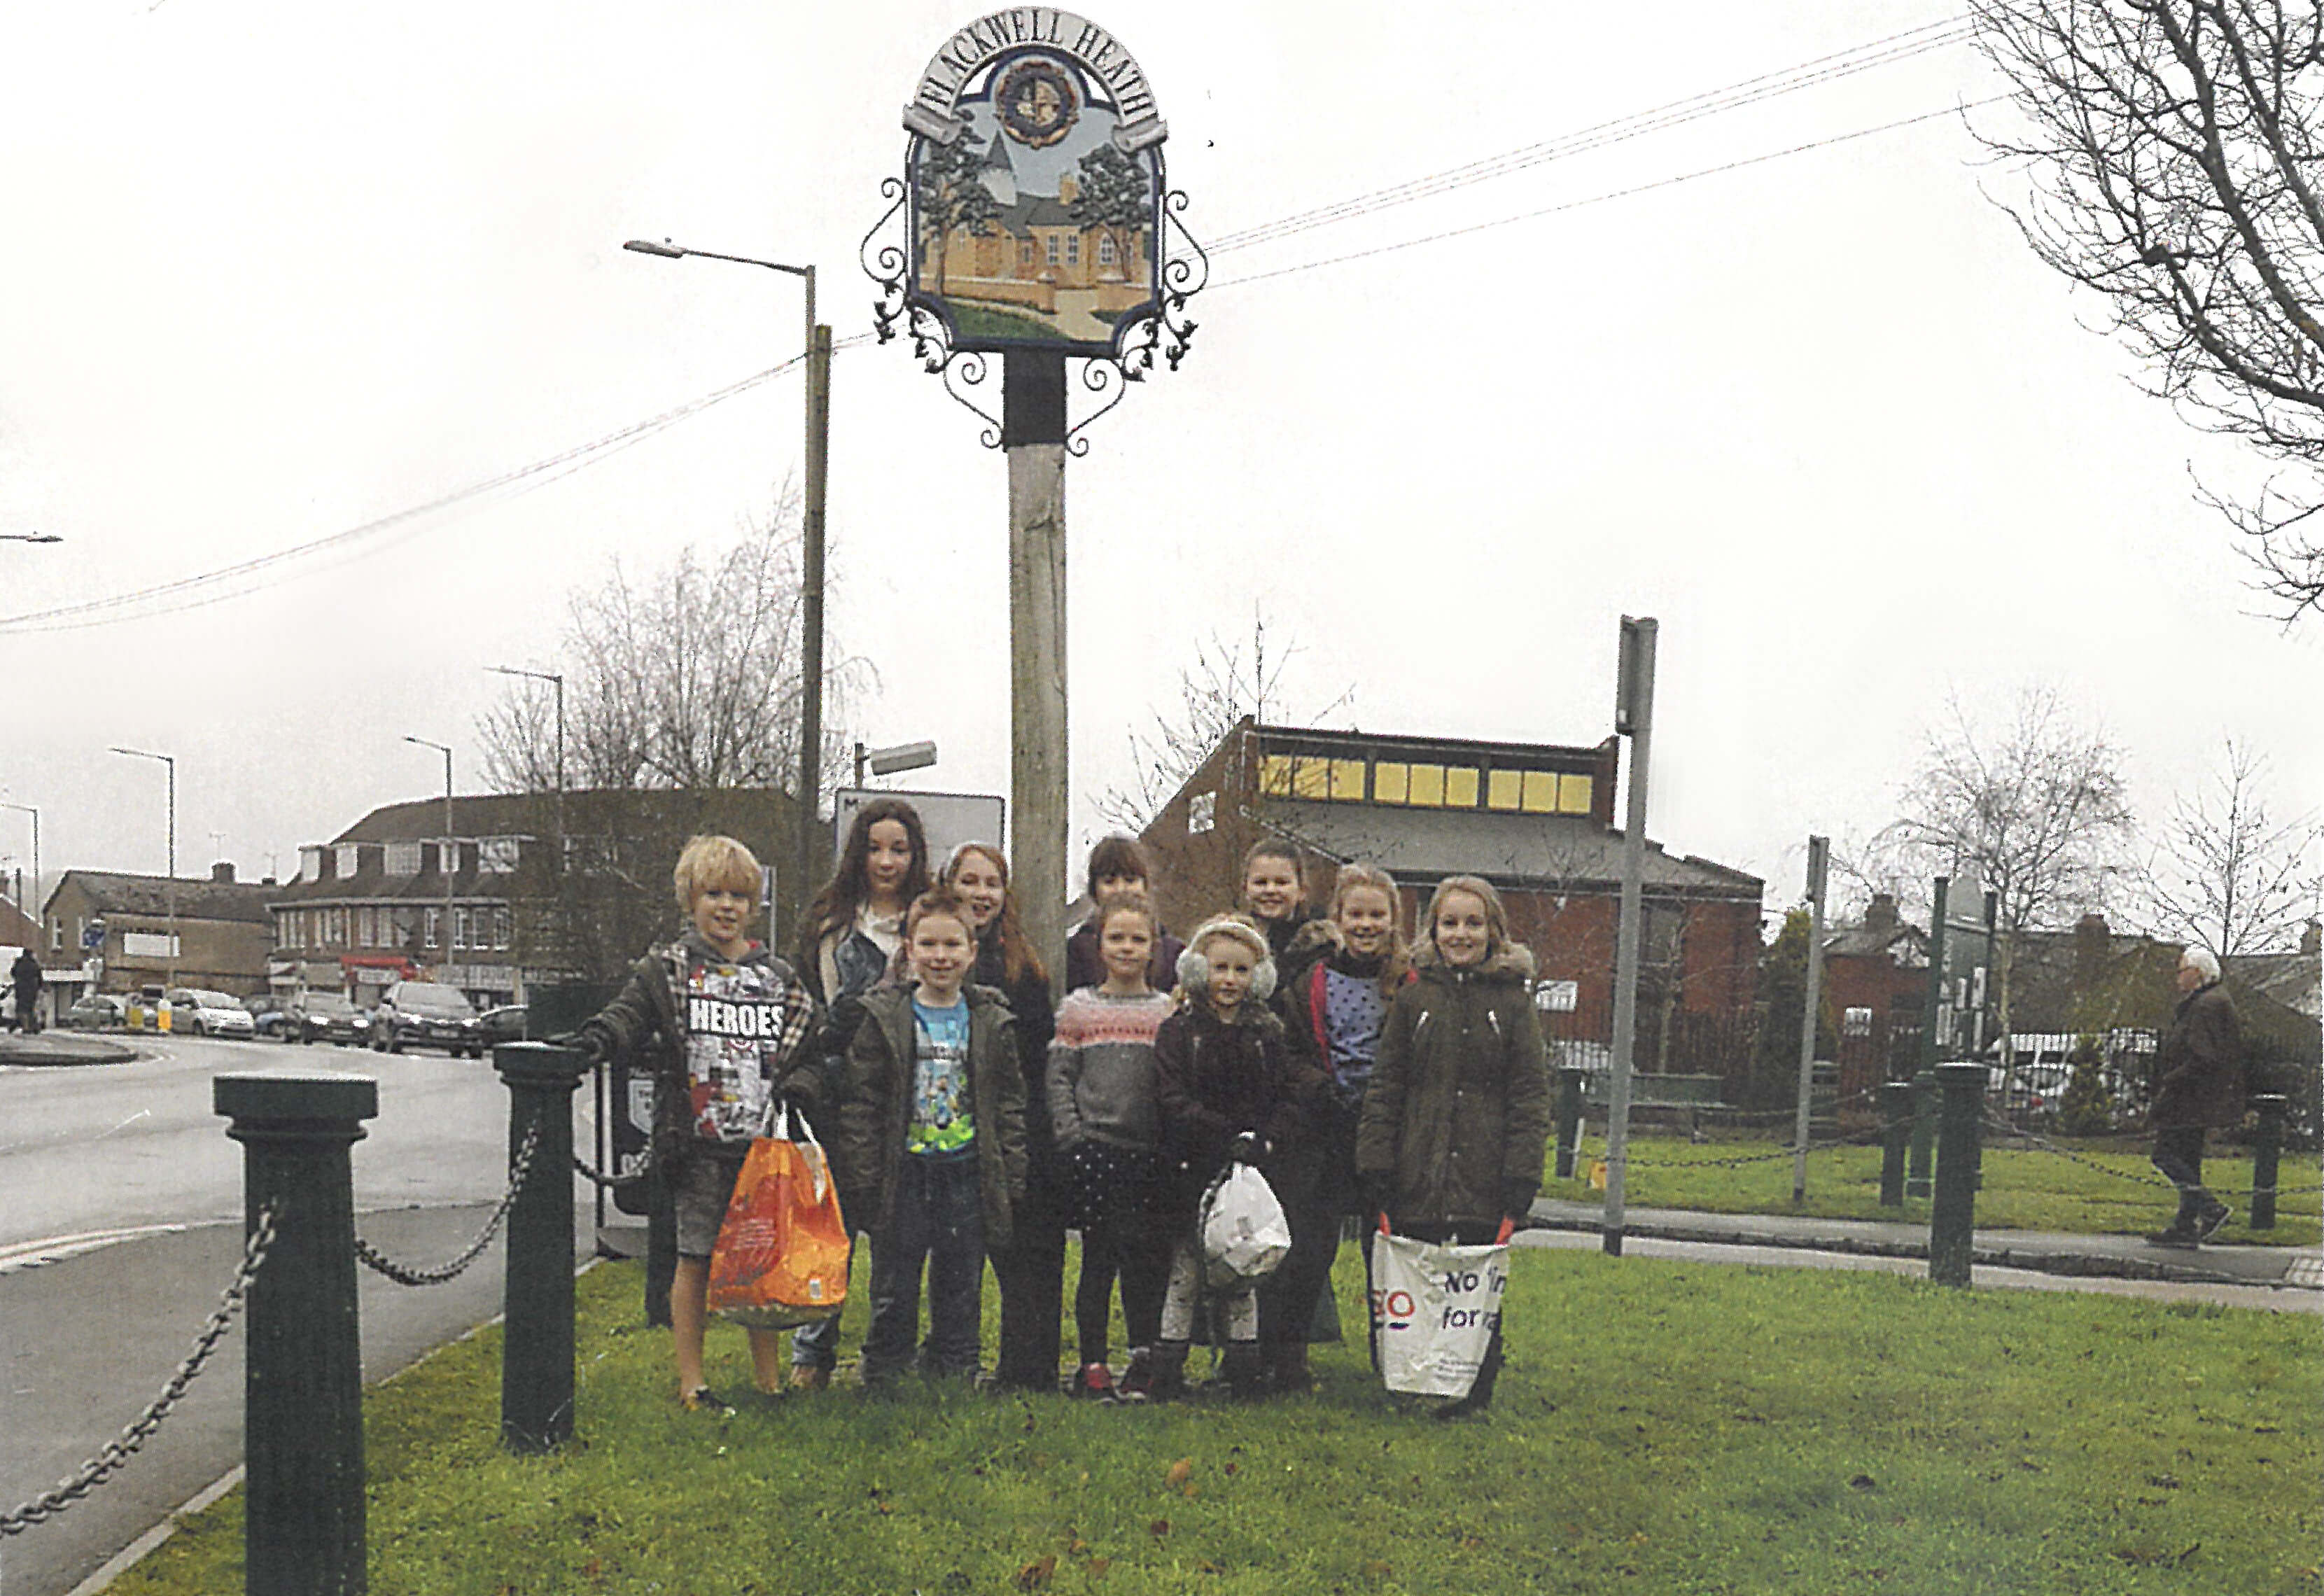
[934,111]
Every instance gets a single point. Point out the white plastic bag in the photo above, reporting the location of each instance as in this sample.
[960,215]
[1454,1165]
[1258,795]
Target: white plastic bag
[1244,1234]
[1434,1308]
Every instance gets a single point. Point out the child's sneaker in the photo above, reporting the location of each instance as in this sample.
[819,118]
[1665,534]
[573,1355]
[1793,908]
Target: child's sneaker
[1095,1381]
[702,1400]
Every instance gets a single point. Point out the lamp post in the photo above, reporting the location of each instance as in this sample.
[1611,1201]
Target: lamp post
[29,538]
[171,888]
[446,856]
[35,814]
[818,456]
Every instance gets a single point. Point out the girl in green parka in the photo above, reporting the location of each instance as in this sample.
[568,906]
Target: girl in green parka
[1449,1146]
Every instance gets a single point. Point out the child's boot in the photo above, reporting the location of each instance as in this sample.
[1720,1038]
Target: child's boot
[1164,1367]
[1242,1370]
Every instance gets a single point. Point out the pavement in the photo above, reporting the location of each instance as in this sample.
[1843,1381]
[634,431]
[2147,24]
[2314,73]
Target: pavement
[2121,1257]
[61,1047]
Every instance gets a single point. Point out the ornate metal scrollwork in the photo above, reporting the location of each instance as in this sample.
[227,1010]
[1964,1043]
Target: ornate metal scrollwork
[887,265]
[966,368]
[1098,376]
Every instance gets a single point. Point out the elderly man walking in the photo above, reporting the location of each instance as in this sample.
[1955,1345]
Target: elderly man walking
[2199,1082]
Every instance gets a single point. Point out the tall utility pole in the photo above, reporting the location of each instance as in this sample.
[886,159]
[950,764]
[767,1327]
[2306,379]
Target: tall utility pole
[1033,434]
[35,814]
[1633,716]
[1819,866]
[811,552]
[170,889]
[447,857]
[557,680]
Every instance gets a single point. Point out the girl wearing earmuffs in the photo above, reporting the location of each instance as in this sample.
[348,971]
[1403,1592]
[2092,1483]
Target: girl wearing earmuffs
[1223,1074]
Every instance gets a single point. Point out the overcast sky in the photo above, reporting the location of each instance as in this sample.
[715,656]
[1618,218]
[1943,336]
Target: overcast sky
[278,271]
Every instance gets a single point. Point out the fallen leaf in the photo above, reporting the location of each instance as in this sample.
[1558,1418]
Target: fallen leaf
[1160,1527]
[1180,1471]
[890,1506]
[1190,1491]
[1080,1547]
[1035,1574]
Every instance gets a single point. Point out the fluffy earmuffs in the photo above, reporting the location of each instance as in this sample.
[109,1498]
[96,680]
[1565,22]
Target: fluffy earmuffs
[1194,968]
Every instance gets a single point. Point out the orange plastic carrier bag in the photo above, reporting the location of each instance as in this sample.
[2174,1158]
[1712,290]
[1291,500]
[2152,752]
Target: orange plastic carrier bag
[781,1254]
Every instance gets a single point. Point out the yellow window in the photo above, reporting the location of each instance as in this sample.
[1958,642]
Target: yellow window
[1540,792]
[1391,782]
[1312,779]
[1428,786]
[1348,782]
[1275,776]
[1461,787]
[1502,789]
[1573,795]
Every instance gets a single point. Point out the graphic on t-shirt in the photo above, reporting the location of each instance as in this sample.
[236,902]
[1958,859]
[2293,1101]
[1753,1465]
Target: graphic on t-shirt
[734,1016]
[941,1119]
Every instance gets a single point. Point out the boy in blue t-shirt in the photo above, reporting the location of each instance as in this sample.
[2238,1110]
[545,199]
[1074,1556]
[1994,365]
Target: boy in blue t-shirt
[932,1133]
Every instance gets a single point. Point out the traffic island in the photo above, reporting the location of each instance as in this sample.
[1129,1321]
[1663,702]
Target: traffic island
[61,1049]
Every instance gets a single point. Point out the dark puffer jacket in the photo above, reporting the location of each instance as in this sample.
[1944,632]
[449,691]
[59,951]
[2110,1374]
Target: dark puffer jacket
[1457,1118]
[1213,1081]
[876,1104]
[2198,1070]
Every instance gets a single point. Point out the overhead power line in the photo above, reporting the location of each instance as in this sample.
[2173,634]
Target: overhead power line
[1768,86]
[1565,204]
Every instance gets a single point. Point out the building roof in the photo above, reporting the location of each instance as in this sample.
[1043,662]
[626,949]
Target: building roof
[196,898]
[1568,851]
[2291,979]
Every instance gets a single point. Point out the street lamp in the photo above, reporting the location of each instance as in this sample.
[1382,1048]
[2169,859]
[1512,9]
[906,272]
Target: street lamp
[170,890]
[29,538]
[446,856]
[890,761]
[557,681]
[35,814]
[818,456]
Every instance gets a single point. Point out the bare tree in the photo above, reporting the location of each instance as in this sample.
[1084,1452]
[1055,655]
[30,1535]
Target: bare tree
[2170,154]
[1225,684]
[2225,874]
[2036,811]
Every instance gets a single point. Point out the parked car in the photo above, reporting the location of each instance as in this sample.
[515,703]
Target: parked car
[326,1017]
[265,1014]
[196,1011]
[506,1023]
[424,1014]
[97,1011]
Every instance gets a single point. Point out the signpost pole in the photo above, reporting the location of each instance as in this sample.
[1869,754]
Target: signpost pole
[1932,1048]
[1819,856]
[1634,714]
[1033,435]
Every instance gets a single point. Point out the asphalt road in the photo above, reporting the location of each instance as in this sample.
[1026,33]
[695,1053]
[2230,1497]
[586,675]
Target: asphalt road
[121,1222]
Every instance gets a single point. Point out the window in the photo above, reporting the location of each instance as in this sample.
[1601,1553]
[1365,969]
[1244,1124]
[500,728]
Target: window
[1427,790]
[1053,249]
[1106,254]
[1275,776]
[1461,787]
[1311,779]
[1391,782]
[502,927]
[1573,795]
[349,860]
[1856,1022]
[1073,249]
[1540,793]
[497,855]
[311,862]
[403,858]
[1202,813]
[363,928]
[433,930]
[459,928]
[1504,788]
[57,935]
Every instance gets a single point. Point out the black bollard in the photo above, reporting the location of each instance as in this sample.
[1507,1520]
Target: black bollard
[1568,1118]
[302,1352]
[1952,1216]
[537,1345]
[1896,1130]
[1925,1134]
[2267,1148]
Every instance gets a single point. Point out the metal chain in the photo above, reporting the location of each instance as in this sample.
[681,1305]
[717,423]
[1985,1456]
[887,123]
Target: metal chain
[120,1450]
[1783,1115]
[1994,1122]
[614,1183]
[404,1275]
[1785,1151]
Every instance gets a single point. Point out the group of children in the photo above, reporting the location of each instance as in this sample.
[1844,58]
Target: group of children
[966,1120]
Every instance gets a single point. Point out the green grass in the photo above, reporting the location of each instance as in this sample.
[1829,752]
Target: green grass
[2024,1188]
[985,321]
[1661,1427]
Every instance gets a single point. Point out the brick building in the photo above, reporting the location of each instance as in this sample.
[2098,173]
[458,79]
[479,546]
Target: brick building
[224,933]
[1876,984]
[1537,820]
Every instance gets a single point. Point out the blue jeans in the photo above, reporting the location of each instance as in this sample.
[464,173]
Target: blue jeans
[938,1217]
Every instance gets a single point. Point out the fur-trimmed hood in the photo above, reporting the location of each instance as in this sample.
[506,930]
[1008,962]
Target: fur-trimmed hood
[1514,961]
[1318,939]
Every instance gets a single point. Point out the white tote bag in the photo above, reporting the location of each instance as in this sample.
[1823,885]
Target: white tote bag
[1244,1234]
[1434,1308]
